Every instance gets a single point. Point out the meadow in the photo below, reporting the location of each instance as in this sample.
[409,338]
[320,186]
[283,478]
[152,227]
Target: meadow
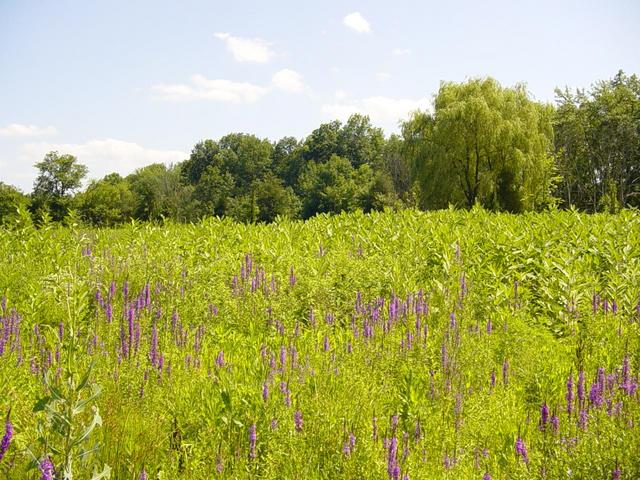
[395,345]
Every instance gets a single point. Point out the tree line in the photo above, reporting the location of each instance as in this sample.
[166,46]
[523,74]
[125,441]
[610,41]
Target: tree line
[483,144]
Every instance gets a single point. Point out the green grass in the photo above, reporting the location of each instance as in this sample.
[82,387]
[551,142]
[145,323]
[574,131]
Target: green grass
[178,424]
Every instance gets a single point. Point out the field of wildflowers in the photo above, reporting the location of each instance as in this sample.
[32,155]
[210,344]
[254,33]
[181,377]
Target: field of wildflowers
[452,344]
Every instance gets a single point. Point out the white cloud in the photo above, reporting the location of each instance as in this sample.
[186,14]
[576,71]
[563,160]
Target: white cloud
[103,156]
[400,52]
[247,49]
[340,94]
[384,111]
[202,88]
[288,81]
[19,130]
[355,21]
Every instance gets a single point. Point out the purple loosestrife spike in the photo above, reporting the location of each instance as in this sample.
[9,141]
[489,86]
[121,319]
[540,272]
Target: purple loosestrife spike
[486,476]
[219,466]
[352,440]
[505,372]
[46,468]
[297,419]
[346,449]
[6,439]
[489,326]
[582,419]
[325,344]
[595,395]
[616,473]
[392,458]
[521,450]
[61,331]
[580,387]
[143,474]
[569,396]
[555,423]
[544,416]
[252,441]
[220,359]
[265,391]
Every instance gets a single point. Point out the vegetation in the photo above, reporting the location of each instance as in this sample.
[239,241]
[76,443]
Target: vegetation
[449,344]
[483,144]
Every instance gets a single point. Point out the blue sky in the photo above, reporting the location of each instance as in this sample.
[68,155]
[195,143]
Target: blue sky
[122,84]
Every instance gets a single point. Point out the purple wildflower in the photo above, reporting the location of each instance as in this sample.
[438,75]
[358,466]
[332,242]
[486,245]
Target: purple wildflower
[505,372]
[392,459]
[265,391]
[252,441]
[569,395]
[616,473]
[46,468]
[521,450]
[6,439]
[297,419]
[219,466]
[555,422]
[220,359]
[580,388]
[582,419]
[143,474]
[595,395]
[544,416]
[486,476]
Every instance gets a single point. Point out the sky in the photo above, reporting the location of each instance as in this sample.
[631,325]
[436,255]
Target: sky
[125,83]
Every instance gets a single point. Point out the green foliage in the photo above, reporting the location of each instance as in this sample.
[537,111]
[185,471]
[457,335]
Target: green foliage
[11,201]
[597,140]
[221,286]
[107,202]
[483,144]
[59,176]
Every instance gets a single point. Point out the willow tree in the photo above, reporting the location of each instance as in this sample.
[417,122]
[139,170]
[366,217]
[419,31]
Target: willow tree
[482,144]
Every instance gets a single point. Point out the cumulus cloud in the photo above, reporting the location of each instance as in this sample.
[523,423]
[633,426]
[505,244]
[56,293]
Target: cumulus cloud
[288,81]
[103,156]
[356,22]
[19,130]
[202,88]
[254,50]
[384,111]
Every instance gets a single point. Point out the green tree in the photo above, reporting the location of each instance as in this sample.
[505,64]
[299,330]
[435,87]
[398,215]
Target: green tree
[213,191]
[11,199]
[274,199]
[397,166]
[361,142]
[483,144]
[598,144]
[106,202]
[203,155]
[159,193]
[333,186]
[58,178]
[287,160]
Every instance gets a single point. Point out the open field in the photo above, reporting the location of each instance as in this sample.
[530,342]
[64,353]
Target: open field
[446,345]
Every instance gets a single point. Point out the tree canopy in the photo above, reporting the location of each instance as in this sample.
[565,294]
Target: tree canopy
[481,144]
